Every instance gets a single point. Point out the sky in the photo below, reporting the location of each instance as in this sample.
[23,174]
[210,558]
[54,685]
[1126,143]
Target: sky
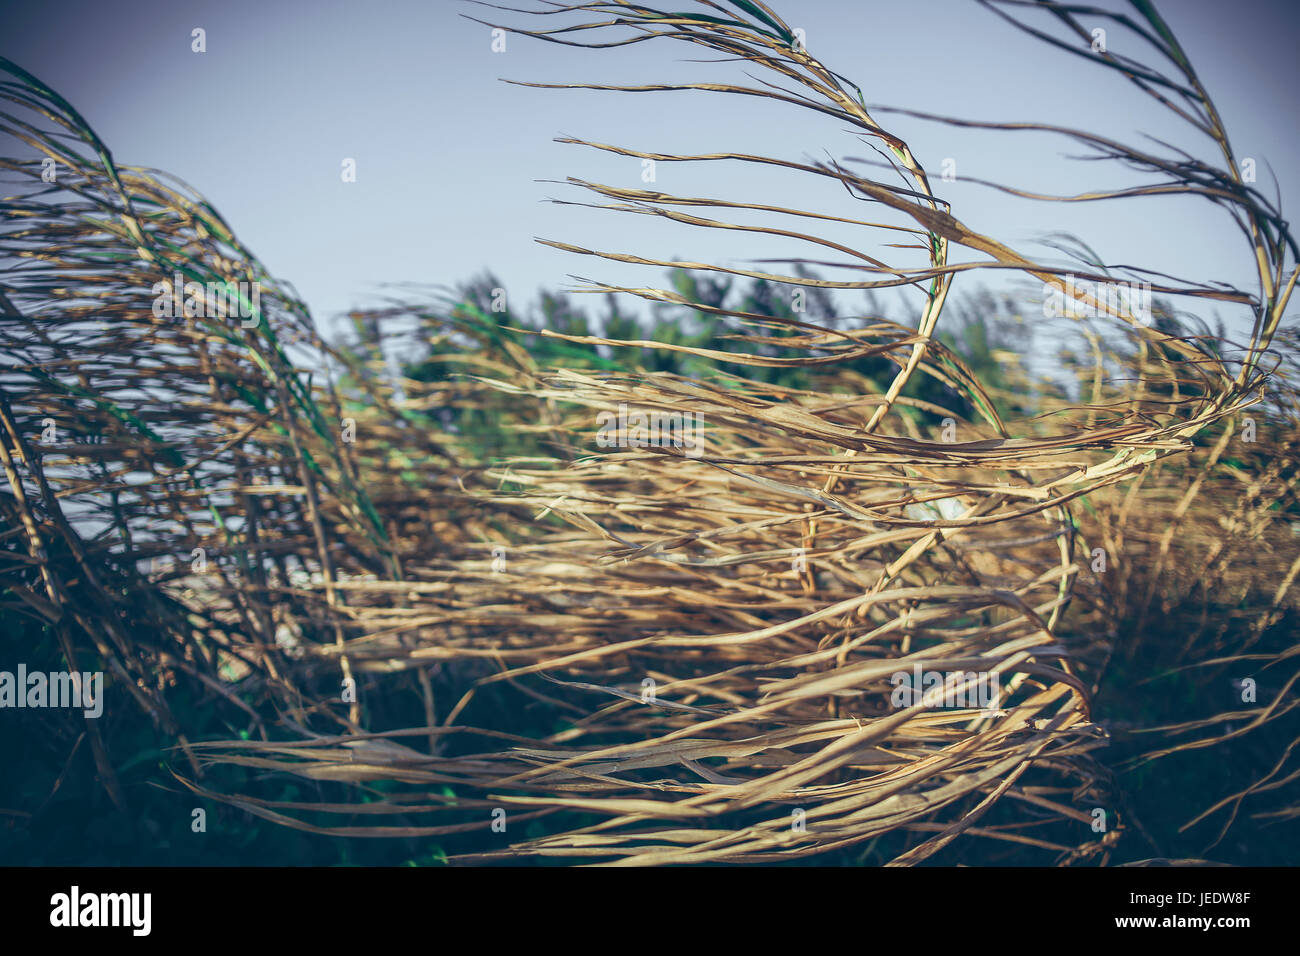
[454,167]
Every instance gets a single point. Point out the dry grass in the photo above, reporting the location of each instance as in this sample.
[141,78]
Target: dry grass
[330,560]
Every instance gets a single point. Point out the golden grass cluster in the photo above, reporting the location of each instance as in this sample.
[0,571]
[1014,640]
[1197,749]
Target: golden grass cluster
[707,640]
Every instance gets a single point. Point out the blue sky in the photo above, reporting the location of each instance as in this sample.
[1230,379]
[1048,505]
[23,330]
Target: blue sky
[449,158]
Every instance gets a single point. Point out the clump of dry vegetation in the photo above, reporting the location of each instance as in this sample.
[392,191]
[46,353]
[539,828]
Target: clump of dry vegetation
[660,655]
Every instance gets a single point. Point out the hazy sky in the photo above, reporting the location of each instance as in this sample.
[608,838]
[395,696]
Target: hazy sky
[449,158]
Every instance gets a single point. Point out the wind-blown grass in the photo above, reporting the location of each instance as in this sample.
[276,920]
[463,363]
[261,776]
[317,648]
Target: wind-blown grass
[824,540]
